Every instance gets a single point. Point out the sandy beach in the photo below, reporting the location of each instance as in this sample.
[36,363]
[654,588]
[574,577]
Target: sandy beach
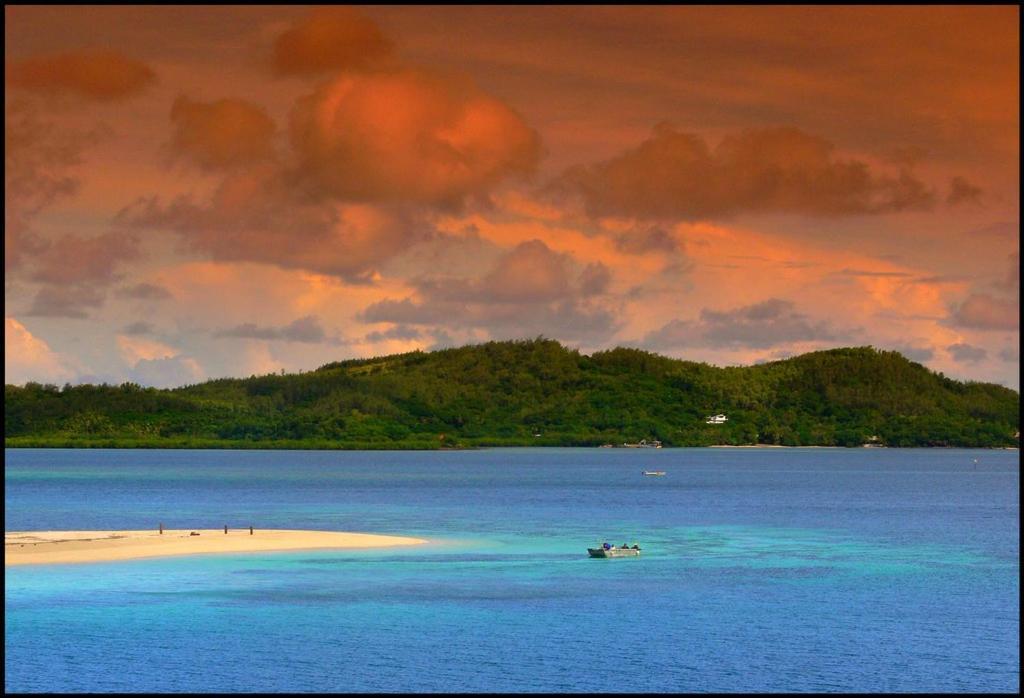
[48,547]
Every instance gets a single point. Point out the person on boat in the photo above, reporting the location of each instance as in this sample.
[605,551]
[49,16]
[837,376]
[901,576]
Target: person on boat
[606,546]
[625,547]
[635,546]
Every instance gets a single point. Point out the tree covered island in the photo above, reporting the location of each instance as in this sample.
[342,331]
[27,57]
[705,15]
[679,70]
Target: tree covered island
[532,393]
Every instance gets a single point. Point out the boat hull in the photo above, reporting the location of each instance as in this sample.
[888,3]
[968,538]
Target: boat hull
[614,552]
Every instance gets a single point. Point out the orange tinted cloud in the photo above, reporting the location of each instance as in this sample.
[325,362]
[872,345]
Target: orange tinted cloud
[770,323]
[78,260]
[65,301]
[528,289]
[330,39]
[961,191]
[966,353]
[171,372]
[944,78]
[914,98]
[771,170]
[27,357]
[303,329]
[640,239]
[75,272]
[986,312]
[594,279]
[530,272]
[146,292]
[39,169]
[257,215]
[222,133]
[99,74]
[746,292]
[135,349]
[409,135]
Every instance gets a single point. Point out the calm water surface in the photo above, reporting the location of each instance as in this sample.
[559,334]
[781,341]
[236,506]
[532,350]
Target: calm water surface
[762,570]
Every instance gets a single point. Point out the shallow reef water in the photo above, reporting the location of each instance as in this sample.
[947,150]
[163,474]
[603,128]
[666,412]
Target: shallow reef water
[761,570]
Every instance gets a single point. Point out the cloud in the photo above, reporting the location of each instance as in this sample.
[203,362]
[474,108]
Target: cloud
[305,329]
[965,353]
[871,273]
[1002,229]
[1011,282]
[766,324]
[170,372]
[942,279]
[223,133]
[65,301]
[408,135]
[405,311]
[331,39]
[75,272]
[905,155]
[39,160]
[98,74]
[531,272]
[77,260]
[919,354]
[675,175]
[256,215]
[19,244]
[961,192]
[139,327]
[442,340]
[401,332]
[28,358]
[594,279]
[641,239]
[529,291]
[984,311]
[136,349]
[145,292]
[371,154]
[567,320]
[37,155]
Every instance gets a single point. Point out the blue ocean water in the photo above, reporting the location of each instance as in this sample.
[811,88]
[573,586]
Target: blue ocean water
[762,570]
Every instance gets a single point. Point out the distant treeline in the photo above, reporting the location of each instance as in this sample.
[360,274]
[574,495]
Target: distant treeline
[532,393]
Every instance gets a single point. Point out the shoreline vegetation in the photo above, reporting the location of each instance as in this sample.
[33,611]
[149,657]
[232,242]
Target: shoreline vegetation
[57,547]
[378,446]
[531,393]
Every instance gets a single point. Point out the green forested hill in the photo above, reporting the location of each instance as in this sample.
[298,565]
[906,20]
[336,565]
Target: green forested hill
[535,393]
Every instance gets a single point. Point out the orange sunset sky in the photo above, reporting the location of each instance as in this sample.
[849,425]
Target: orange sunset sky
[198,192]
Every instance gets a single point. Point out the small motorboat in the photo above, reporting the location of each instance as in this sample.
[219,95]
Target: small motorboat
[643,443]
[607,550]
[654,472]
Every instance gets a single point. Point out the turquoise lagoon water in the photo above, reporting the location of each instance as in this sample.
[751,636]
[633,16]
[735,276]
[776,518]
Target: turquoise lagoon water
[762,570]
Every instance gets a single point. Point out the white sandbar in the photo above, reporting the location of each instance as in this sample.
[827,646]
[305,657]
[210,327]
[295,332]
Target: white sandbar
[48,547]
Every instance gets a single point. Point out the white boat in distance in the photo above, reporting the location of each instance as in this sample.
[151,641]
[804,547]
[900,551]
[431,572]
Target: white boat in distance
[654,472]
